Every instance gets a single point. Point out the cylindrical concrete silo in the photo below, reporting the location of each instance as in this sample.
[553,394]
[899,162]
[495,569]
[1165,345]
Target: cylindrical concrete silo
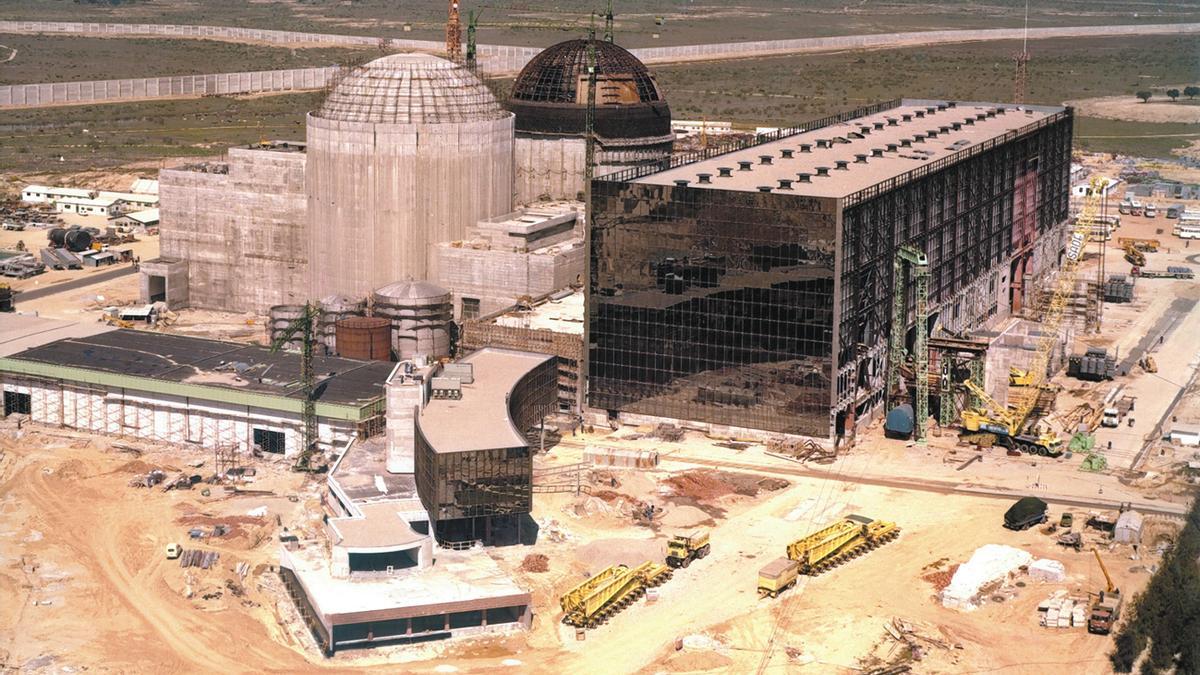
[407,151]
[420,313]
[279,319]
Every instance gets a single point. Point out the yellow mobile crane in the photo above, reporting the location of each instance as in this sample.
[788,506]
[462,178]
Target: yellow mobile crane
[1011,426]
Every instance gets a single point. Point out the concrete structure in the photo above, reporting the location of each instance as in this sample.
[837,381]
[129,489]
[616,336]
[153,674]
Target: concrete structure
[515,257]
[375,576]
[407,151]
[751,291]
[547,325]
[420,313]
[632,119]
[176,389]
[233,233]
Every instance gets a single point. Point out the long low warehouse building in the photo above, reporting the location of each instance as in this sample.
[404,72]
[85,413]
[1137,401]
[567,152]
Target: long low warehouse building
[179,389]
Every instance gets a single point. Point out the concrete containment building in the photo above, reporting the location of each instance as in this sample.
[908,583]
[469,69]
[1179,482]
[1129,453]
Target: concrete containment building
[753,289]
[407,151]
[549,97]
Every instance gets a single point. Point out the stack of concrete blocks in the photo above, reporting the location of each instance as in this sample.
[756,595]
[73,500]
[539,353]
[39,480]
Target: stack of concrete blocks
[407,394]
[239,228]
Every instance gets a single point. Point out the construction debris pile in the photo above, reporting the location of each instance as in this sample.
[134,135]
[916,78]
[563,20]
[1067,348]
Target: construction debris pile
[801,450]
[197,558]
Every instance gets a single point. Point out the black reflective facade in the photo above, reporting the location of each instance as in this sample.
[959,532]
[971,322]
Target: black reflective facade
[771,311]
[712,305]
[480,483]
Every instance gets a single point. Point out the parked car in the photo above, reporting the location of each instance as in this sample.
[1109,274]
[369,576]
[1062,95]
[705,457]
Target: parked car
[1067,520]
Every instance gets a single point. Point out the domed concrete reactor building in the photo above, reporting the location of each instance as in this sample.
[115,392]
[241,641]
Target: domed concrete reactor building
[550,96]
[406,151]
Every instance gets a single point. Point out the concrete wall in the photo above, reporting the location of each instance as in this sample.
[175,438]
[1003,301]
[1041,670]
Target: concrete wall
[242,233]
[382,195]
[178,86]
[164,418]
[498,278]
[549,168]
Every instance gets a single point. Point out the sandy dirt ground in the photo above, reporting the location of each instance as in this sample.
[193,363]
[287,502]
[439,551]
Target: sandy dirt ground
[1159,109]
[76,536]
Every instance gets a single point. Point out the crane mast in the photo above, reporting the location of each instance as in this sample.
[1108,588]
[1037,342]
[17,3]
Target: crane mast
[305,326]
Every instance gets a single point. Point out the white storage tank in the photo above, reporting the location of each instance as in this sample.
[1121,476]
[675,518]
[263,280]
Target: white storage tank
[407,151]
[421,313]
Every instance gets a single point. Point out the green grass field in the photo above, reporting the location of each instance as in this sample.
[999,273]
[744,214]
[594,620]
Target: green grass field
[61,58]
[520,22]
[761,91]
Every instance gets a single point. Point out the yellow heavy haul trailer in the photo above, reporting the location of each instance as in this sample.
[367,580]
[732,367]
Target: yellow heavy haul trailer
[615,588]
[840,541]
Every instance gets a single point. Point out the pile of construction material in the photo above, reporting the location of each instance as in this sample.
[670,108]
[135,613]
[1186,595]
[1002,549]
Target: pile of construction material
[1093,365]
[1118,288]
[630,458]
[803,450]
[1063,611]
[989,567]
[197,558]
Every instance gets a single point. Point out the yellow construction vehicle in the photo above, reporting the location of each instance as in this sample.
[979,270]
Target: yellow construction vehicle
[1148,364]
[1019,378]
[1144,245]
[1007,426]
[1107,608]
[840,541]
[777,576]
[1011,426]
[682,549]
[1134,257]
[613,589]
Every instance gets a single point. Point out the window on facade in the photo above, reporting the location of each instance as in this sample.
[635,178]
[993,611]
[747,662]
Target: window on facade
[470,308]
[270,441]
[17,404]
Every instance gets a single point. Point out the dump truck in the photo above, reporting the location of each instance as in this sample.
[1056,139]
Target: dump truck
[840,541]
[682,549]
[777,576]
[613,589]
[1107,608]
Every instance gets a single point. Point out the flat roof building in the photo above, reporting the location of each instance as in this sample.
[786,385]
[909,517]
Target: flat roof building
[749,286]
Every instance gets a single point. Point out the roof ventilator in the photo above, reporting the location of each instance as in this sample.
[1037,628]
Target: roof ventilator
[681,183]
[804,177]
[822,171]
[842,165]
[704,178]
[764,159]
[744,165]
[764,188]
[786,153]
[785,183]
[724,171]
[860,159]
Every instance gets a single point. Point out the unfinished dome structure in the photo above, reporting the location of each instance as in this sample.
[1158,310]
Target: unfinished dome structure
[406,151]
[549,98]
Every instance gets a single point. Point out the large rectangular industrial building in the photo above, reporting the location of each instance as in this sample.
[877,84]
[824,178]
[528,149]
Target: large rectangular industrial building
[750,287]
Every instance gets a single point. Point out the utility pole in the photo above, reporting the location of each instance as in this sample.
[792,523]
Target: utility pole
[472,20]
[453,34]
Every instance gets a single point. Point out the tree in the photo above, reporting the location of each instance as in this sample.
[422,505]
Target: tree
[1191,92]
[1144,95]
[1173,93]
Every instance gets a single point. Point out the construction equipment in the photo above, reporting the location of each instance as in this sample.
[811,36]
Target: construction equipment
[1025,513]
[910,262]
[1172,272]
[306,326]
[1133,256]
[840,541]
[1019,378]
[174,551]
[1107,608]
[682,549]
[453,33]
[1071,540]
[1013,428]
[777,576]
[613,589]
[1007,425]
[1144,245]
[1148,364]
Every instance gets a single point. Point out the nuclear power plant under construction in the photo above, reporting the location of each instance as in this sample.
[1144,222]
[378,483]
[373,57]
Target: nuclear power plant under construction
[466,332]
